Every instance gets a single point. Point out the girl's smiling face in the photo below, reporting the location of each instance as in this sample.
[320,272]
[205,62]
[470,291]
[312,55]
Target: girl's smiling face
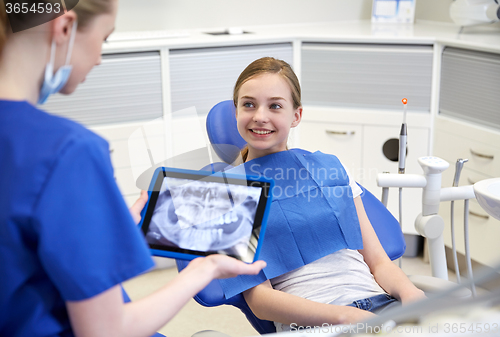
[265,114]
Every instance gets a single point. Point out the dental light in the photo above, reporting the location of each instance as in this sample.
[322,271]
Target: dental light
[474,12]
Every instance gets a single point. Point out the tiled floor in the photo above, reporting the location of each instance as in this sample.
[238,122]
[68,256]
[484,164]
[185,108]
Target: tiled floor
[227,319]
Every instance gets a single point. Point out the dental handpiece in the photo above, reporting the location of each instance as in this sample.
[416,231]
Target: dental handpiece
[402,141]
[458,170]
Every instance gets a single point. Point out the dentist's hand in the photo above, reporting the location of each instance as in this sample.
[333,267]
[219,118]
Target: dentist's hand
[137,207]
[222,266]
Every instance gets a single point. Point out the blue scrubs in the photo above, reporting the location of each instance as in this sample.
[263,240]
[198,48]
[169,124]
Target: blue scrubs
[65,231]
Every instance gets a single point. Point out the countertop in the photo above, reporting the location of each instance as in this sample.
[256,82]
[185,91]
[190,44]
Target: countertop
[482,38]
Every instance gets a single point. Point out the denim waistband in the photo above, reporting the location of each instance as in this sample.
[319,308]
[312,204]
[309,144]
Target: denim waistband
[373,303]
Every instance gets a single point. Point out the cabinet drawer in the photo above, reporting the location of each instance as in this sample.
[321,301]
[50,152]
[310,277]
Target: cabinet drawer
[483,158]
[342,140]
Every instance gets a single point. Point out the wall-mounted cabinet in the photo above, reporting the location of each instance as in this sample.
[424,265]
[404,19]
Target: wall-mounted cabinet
[125,87]
[469,86]
[367,76]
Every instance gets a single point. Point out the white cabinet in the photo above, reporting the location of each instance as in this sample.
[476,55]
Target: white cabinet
[367,76]
[456,139]
[125,87]
[343,140]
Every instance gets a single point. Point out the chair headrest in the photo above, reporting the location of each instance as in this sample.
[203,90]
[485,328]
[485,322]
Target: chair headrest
[223,132]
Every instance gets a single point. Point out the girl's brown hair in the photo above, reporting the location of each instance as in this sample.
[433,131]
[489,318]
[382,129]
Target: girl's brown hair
[268,65]
[85,10]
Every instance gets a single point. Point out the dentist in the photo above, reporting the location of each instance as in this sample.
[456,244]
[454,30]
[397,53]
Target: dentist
[67,239]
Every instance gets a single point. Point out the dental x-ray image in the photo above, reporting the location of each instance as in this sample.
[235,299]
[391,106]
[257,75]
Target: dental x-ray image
[204,216]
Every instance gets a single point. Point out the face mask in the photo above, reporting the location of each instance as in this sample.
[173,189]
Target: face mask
[52,83]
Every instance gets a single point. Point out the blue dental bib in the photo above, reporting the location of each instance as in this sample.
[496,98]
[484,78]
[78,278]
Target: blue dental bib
[312,214]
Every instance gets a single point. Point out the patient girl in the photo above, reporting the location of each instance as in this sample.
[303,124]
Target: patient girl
[325,262]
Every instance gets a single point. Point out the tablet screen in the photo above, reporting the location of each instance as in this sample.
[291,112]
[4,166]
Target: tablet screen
[193,213]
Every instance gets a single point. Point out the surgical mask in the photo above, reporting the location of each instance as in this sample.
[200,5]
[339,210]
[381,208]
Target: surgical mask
[52,83]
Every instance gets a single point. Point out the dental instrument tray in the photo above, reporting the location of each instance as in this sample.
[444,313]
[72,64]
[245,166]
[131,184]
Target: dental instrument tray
[198,213]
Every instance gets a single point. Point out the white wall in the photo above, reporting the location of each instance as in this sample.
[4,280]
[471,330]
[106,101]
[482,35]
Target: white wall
[433,10]
[193,14]
[188,14]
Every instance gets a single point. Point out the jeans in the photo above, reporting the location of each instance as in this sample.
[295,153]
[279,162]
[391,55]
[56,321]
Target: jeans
[376,304]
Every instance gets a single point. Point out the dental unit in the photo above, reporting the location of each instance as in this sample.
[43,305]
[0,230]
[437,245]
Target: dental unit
[429,223]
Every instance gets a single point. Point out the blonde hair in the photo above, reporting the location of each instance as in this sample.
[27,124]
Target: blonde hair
[85,10]
[268,65]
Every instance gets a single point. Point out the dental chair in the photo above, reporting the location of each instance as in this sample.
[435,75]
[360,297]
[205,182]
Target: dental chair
[227,142]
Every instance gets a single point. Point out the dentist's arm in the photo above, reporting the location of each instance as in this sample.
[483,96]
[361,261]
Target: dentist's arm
[106,314]
[389,276]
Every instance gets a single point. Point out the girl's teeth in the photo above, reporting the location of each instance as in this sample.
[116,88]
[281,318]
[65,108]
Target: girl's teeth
[261,132]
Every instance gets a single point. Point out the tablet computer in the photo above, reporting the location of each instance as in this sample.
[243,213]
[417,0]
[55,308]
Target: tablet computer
[197,213]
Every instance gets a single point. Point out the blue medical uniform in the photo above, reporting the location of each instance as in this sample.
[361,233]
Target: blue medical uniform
[65,231]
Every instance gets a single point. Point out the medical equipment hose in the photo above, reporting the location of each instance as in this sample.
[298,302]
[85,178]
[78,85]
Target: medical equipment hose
[453,244]
[467,250]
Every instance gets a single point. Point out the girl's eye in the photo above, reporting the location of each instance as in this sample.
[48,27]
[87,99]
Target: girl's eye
[248,105]
[275,106]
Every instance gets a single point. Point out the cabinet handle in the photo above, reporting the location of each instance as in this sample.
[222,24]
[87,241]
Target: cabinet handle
[479,215]
[343,133]
[486,156]
[111,150]
[472,182]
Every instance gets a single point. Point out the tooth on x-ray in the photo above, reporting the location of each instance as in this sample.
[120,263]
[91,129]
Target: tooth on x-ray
[198,202]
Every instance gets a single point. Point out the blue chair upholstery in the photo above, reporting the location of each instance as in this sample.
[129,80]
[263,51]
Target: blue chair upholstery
[222,132]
